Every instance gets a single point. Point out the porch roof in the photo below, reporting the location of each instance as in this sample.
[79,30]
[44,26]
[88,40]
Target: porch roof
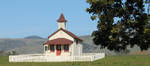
[60,41]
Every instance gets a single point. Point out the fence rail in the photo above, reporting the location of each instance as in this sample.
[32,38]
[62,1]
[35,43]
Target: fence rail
[47,58]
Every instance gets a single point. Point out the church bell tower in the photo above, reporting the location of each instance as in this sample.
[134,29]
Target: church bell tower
[62,22]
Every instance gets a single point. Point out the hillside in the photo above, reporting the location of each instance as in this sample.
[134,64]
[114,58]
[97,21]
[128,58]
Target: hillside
[22,46]
[33,37]
[32,45]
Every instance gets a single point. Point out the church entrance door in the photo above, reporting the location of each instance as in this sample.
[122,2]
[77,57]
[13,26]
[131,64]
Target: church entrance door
[58,50]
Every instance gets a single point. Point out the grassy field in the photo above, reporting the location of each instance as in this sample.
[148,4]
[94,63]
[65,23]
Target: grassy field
[126,60]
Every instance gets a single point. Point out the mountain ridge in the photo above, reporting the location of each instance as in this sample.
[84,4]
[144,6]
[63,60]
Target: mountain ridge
[32,45]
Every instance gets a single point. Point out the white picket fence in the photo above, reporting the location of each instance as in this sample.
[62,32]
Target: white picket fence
[47,58]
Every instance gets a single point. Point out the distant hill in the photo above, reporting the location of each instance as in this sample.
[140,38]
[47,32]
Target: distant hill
[33,37]
[22,46]
[34,44]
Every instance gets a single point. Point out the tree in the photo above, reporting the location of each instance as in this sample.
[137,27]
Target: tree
[131,27]
[12,52]
[148,2]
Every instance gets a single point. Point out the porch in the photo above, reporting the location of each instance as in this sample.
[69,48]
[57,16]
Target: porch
[57,47]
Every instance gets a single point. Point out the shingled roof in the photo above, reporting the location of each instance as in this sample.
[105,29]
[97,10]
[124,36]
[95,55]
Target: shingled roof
[62,41]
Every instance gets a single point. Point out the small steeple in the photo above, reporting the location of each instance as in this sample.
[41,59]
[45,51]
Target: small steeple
[61,18]
[62,22]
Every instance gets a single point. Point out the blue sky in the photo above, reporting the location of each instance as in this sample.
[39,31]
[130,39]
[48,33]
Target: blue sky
[21,18]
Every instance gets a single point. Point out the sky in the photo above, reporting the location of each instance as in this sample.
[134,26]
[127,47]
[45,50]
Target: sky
[21,18]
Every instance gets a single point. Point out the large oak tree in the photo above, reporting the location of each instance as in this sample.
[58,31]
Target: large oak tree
[121,23]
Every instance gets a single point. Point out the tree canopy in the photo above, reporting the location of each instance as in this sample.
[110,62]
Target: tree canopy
[121,23]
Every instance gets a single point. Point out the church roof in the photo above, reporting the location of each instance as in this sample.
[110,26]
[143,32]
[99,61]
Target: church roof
[61,18]
[69,33]
[59,41]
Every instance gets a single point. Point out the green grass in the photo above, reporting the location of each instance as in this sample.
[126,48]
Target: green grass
[126,60]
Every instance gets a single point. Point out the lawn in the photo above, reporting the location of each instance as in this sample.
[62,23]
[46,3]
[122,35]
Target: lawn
[125,60]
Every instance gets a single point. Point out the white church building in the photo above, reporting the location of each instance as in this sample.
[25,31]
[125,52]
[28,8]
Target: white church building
[63,42]
[62,46]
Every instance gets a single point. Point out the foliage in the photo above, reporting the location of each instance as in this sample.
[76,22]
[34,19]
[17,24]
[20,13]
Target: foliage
[2,52]
[148,2]
[131,28]
[12,52]
[130,60]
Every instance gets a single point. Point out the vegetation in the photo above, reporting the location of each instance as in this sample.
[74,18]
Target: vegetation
[12,52]
[2,53]
[121,23]
[127,60]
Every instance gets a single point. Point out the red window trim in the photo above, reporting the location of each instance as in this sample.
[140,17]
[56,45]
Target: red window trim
[52,50]
[66,50]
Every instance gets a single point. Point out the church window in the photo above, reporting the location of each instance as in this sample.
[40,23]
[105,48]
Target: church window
[52,48]
[46,48]
[58,47]
[66,47]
